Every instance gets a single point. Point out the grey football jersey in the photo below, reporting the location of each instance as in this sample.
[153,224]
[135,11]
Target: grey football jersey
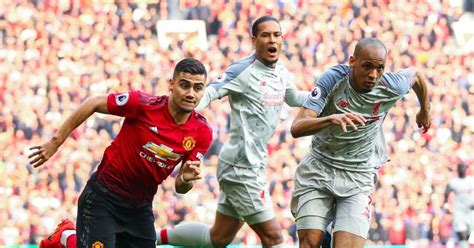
[256,95]
[362,149]
[463,189]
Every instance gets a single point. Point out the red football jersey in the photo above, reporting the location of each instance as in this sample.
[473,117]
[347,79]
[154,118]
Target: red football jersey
[149,145]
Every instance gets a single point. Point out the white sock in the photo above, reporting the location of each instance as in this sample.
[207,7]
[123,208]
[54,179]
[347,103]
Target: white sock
[186,234]
[66,235]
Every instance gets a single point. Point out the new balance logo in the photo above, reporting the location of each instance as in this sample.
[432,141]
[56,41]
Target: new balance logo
[154,129]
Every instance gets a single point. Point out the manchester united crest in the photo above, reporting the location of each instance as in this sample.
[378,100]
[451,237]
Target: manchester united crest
[189,143]
[97,244]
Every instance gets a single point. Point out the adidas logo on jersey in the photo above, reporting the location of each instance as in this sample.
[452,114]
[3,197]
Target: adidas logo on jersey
[154,129]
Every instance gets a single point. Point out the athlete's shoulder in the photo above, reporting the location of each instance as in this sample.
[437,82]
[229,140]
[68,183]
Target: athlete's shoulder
[400,81]
[152,100]
[341,70]
[244,62]
[201,121]
[237,67]
[230,77]
[333,75]
[202,127]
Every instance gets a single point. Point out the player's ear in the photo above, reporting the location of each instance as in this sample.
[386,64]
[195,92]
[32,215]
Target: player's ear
[351,60]
[254,40]
[170,83]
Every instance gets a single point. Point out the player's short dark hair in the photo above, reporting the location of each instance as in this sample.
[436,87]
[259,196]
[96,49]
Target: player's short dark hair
[191,66]
[361,44]
[261,20]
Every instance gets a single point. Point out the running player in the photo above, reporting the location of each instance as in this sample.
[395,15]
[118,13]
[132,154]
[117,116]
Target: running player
[344,114]
[158,133]
[463,208]
[257,87]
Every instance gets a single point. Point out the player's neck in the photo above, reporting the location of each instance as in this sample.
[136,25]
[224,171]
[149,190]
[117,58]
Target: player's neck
[354,86]
[267,64]
[179,116]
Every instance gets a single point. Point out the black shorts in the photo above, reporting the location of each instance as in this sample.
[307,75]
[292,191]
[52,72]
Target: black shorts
[106,220]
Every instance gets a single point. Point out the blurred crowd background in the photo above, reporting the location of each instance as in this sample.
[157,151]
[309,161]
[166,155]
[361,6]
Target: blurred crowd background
[54,54]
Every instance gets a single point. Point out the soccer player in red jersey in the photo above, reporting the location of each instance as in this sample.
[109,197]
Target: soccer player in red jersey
[158,133]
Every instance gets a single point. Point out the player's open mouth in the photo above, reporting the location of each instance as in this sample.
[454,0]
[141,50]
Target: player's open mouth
[272,50]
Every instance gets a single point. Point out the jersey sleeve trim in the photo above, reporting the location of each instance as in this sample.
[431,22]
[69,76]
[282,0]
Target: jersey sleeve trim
[232,72]
[318,98]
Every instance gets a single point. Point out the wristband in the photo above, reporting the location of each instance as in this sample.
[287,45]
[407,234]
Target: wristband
[184,180]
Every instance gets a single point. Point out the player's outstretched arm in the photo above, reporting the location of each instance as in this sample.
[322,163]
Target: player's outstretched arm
[40,154]
[294,97]
[189,172]
[307,122]
[210,94]
[423,118]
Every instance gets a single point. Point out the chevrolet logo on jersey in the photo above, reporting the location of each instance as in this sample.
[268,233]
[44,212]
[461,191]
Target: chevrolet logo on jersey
[162,152]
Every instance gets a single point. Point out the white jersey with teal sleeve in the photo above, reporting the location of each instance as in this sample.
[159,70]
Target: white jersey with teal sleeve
[256,95]
[362,149]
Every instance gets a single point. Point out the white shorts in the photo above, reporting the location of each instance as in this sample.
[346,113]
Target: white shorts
[324,194]
[243,193]
[463,220]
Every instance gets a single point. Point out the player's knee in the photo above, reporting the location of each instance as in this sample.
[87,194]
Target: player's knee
[220,240]
[310,242]
[272,237]
[310,239]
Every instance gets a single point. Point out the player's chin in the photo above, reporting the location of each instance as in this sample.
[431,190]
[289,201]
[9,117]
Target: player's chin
[272,58]
[187,109]
[368,88]
[270,61]
[187,106]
